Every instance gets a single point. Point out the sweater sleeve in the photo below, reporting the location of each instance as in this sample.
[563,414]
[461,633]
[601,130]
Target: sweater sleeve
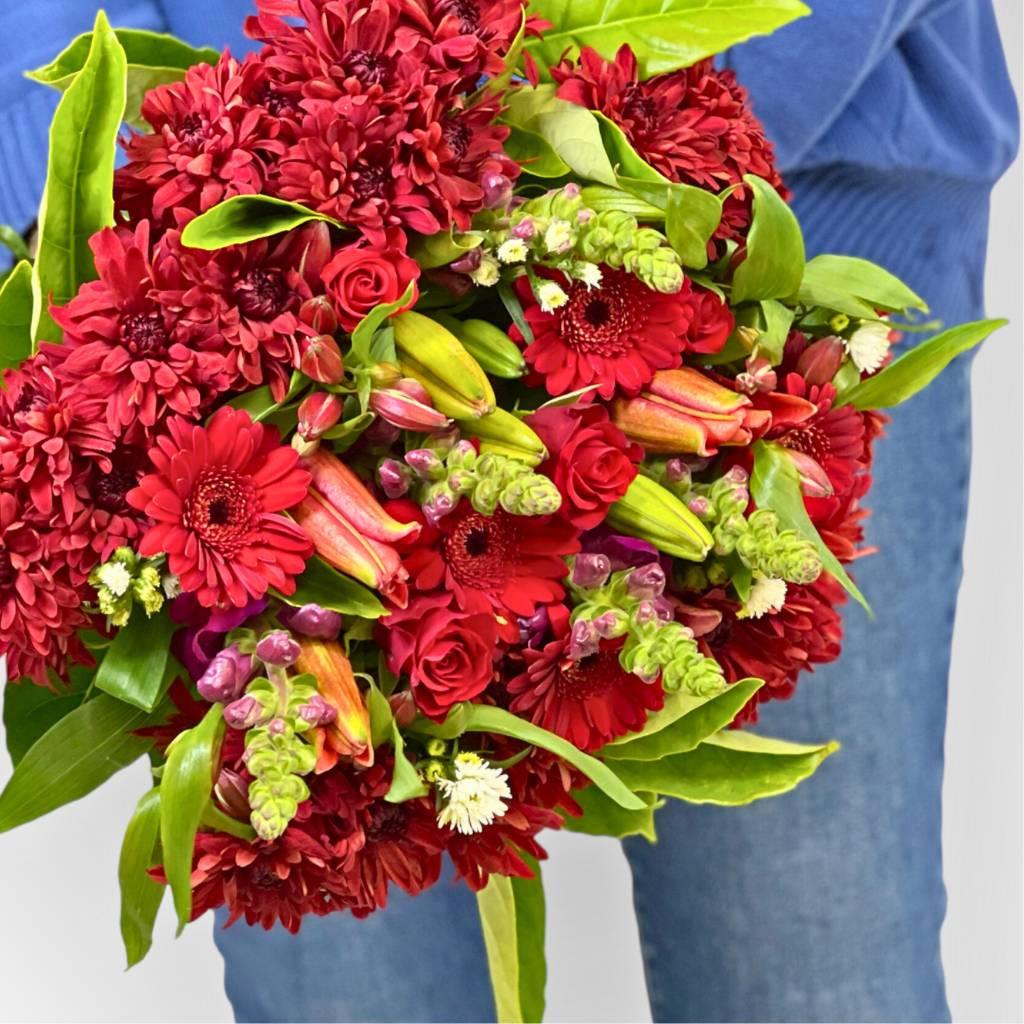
[33,32]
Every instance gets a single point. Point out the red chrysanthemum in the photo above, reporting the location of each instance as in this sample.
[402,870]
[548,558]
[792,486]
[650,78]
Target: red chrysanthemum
[212,138]
[614,336]
[215,499]
[693,125]
[120,346]
[590,701]
[502,563]
[40,604]
[242,302]
[776,647]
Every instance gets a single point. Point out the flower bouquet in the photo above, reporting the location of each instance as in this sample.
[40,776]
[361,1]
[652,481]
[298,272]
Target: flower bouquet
[432,433]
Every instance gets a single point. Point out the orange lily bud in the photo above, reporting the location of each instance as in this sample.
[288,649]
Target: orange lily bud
[349,734]
[683,411]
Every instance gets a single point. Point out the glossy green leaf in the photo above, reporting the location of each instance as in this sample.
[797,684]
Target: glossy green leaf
[571,132]
[215,818]
[854,286]
[731,768]
[774,264]
[323,585]
[775,484]
[512,917]
[432,251]
[16,304]
[689,731]
[153,59]
[30,710]
[14,243]
[185,789]
[260,403]
[141,896]
[362,336]
[604,817]
[381,717]
[918,367]
[74,756]
[777,321]
[602,197]
[691,217]
[242,219]
[406,783]
[133,668]
[664,34]
[78,199]
[626,161]
[482,718]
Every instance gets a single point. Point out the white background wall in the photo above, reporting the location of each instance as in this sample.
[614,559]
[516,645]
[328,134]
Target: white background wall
[60,956]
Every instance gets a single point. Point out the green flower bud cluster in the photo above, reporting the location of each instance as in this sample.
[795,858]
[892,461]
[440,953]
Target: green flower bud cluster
[777,554]
[489,480]
[121,581]
[627,604]
[615,238]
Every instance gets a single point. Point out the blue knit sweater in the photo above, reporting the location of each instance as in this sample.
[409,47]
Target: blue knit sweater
[890,117]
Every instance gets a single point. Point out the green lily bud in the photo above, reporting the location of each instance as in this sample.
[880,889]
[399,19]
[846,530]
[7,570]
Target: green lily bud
[502,433]
[652,513]
[490,346]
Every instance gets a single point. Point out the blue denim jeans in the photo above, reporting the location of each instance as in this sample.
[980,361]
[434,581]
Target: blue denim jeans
[821,905]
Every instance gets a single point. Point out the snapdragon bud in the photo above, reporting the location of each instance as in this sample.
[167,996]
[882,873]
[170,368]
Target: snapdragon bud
[677,472]
[497,190]
[468,262]
[590,570]
[583,640]
[425,463]
[611,624]
[646,582]
[394,478]
[316,711]
[225,677]
[525,229]
[279,648]
[243,713]
[699,506]
[312,621]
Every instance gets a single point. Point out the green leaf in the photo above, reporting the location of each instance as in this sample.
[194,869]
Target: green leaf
[731,768]
[260,403]
[774,264]
[775,484]
[362,336]
[323,585]
[854,286]
[604,817]
[512,917]
[72,758]
[777,321]
[13,241]
[185,793]
[30,710]
[133,669]
[242,219]
[140,894]
[78,199]
[381,717]
[16,305]
[601,198]
[691,217]
[432,251]
[481,718]
[918,367]
[153,59]
[406,783]
[215,818]
[692,729]
[664,34]
[571,132]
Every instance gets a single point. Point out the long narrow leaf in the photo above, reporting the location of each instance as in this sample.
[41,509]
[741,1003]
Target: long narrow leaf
[133,669]
[141,896]
[16,305]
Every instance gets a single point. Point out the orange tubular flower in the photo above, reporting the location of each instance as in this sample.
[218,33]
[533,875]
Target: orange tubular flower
[350,530]
[684,412]
[349,734]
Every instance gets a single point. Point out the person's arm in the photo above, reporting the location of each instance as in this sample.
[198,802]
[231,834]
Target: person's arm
[33,32]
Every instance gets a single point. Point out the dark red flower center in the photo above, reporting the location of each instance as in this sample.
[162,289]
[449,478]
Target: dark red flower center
[275,103]
[370,180]
[589,677]
[468,14]
[30,398]
[456,137]
[369,67]
[222,509]
[261,294]
[481,551]
[385,822]
[110,489]
[191,130]
[144,334]
[7,572]
[601,320]
[263,876]
[638,108]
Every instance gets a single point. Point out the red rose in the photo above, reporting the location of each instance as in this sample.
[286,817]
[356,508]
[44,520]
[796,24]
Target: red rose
[362,276]
[592,463]
[448,655]
[711,323]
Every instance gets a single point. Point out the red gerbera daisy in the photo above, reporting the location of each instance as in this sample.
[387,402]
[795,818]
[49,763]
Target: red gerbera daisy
[216,499]
[590,701]
[40,607]
[505,563]
[614,336]
[212,138]
[776,647]
[120,346]
[693,125]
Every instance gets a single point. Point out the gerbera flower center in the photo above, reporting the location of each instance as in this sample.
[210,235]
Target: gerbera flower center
[222,509]
[144,334]
[596,320]
[261,294]
[481,550]
[369,67]
[811,440]
[385,822]
[589,677]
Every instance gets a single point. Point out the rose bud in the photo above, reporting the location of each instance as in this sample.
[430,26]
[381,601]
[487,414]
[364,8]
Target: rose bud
[819,362]
[278,647]
[407,405]
[312,621]
[497,190]
[225,677]
[317,414]
[591,570]
[319,313]
[321,359]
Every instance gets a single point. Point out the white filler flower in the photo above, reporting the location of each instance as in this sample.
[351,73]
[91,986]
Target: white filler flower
[513,250]
[116,577]
[765,596]
[868,346]
[551,296]
[475,797]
